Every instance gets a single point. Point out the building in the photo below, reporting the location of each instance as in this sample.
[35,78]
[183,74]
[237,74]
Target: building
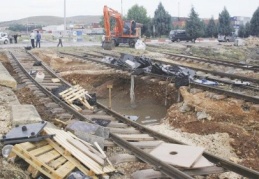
[237,21]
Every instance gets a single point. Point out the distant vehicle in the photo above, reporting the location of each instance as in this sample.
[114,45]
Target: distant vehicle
[180,35]
[4,38]
[227,38]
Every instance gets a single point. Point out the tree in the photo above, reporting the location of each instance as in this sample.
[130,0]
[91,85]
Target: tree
[162,21]
[225,23]
[211,30]
[241,31]
[194,26]
[247,29]
[255,23]
[139,14]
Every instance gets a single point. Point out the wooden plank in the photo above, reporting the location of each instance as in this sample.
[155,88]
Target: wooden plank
[69,90]
[62,136]
[56,163]
[136,137]
[77,95]
[80,146]
[47,157]
[41,150]
[65,169]
[87,144]
[73,93]
[69,157]
[28,146]
[34,172]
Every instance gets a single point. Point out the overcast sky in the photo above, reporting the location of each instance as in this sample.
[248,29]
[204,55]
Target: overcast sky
[18,9]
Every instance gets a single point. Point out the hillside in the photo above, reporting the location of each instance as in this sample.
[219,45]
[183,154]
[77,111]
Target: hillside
[53,20]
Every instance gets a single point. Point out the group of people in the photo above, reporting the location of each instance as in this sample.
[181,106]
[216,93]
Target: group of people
[37,37]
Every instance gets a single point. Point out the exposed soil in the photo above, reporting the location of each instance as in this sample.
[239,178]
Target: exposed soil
[230,116]
[227,116]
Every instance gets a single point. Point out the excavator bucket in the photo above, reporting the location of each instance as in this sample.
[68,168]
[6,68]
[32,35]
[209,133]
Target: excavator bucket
[108,45]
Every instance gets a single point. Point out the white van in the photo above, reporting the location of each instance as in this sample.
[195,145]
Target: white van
[4,38]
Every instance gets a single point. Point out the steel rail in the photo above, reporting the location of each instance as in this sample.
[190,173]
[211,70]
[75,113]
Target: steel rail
[164,168]
[242,170]
[218,62]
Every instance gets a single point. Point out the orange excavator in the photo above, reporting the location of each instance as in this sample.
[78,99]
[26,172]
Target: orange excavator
[123,32]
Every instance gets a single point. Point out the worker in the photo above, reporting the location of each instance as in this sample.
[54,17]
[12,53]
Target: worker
[38,38]
[15,38]
[32,36]
[60,40]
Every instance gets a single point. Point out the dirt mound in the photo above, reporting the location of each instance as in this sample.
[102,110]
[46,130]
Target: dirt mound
[225,116]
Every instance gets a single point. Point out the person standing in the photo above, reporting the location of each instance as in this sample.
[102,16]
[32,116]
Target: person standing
[60,40]
[15,38]
[38,37]
[32,36]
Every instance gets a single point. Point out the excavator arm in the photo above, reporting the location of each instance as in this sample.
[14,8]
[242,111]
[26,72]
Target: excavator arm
[107,14]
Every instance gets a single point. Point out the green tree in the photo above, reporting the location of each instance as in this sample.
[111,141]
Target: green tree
[20,27]
[139,14]
[211,29]
[225,23]
[255,23]
[162,21]
[194,26]
[247,29]
[241,31]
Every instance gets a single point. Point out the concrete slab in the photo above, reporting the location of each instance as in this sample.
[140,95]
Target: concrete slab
[7,97]
[6,79]
[178,155]
[202,162]
[24,114]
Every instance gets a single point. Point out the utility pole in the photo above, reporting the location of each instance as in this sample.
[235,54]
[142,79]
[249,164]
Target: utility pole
[121,9]
[65,20]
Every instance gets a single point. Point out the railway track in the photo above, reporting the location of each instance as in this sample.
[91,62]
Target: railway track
[227,81]
[120,127]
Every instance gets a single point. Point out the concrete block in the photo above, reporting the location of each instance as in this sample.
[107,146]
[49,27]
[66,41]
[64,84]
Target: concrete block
[89,128]
[90,138]
[24,114]
[6,79]
[121,158]
[7,97]
[147,174]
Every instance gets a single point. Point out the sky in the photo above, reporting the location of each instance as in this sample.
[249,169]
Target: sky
[18,9]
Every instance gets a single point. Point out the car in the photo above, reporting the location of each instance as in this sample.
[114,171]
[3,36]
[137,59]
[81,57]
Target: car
[227,38]
[4,38]
[180,35]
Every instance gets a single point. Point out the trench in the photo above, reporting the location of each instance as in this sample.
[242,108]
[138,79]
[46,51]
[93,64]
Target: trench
[151,100]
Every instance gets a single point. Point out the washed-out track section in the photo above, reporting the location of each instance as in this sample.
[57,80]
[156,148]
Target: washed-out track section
[245,92]
[120,127]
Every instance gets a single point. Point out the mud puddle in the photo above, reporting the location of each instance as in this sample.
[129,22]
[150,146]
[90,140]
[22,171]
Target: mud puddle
[147,111]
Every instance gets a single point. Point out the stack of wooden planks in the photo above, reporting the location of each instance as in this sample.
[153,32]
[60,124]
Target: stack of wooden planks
[58,157]
[76,93]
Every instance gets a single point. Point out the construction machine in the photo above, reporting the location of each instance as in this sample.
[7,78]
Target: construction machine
[123,32]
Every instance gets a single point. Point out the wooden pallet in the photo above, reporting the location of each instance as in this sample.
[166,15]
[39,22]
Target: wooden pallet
[48,158]
[80,151]
[76,93]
